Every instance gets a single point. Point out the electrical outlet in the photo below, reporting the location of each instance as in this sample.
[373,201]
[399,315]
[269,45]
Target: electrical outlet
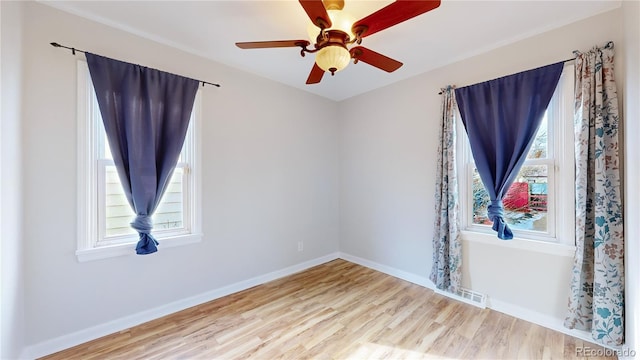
[300,246]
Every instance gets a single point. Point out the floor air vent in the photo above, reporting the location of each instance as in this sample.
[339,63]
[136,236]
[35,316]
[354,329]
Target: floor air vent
[474,297]
[468,296]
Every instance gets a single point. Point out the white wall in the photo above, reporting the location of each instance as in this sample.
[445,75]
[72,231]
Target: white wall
[388,143]
[11,248]
[631,111]
[269,180]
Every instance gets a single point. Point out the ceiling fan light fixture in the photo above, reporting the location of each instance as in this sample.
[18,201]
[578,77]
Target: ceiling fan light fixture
[330,31]
[340,20]
[333,58]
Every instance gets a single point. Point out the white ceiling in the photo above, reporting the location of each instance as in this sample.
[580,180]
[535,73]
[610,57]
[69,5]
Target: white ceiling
[454,31]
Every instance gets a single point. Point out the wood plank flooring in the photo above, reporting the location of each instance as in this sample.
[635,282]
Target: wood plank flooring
[338,310]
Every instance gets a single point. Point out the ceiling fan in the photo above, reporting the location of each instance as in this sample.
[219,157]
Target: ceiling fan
[335,34]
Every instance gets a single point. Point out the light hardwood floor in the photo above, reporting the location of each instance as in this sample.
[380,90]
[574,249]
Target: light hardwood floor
[338,310]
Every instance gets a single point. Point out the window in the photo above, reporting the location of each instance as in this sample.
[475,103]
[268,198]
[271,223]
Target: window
[104,213]
[539,204]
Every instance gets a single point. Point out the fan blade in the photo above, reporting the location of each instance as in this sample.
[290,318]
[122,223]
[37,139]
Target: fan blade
[315,75]
[272,44]
[361,53]
[392,14]
[317,13]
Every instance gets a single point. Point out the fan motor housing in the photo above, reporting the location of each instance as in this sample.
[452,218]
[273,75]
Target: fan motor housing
[332,37]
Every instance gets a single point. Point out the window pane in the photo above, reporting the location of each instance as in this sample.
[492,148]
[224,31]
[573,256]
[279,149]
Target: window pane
[107,148]
[480,201]
[540,146]
[525,204]
[168,215]
[118,212]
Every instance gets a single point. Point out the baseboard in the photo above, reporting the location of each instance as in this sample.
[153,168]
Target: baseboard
[400,274]
[519,312]
[94,332]
[541,319]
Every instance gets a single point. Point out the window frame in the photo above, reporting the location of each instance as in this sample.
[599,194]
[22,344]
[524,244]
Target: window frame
[560,235]
[92,244]
[105,240]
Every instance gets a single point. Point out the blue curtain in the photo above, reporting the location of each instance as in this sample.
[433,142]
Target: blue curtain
[501,118]
[146,115]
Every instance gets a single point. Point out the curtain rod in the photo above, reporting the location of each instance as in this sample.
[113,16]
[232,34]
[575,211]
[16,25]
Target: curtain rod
[564,61]
[73,51]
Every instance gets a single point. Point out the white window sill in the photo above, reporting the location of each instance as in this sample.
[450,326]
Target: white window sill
[545,247]
[129,249]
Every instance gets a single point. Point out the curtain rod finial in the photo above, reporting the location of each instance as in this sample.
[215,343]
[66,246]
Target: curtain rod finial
[55,44]
[206,82]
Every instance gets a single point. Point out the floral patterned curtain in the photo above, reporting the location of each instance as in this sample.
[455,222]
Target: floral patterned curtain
[596,300]
[447,251]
